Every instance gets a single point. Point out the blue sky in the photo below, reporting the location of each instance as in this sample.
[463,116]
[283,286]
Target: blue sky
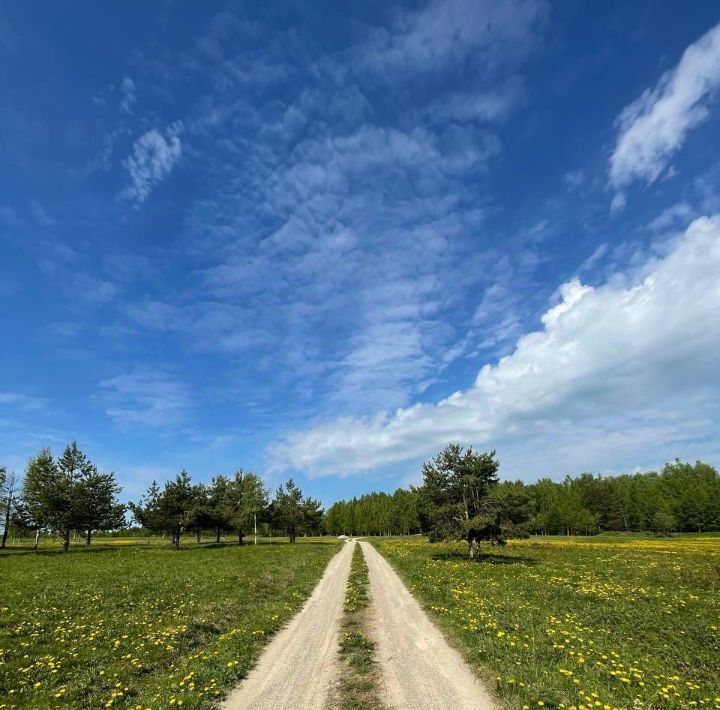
[324,241]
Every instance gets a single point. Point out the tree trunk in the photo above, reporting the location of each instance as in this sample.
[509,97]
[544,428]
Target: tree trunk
[217,535]
[241,535]
[37,539]
[88,536]
[7,522]
[66,541]
[198,536]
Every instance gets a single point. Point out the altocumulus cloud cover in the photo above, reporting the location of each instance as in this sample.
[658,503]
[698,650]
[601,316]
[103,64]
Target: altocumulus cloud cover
[326,243]
[627,364]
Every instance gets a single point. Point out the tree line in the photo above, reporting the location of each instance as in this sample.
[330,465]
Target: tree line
[460,485]
[227,505]
[67,495]
[460,497]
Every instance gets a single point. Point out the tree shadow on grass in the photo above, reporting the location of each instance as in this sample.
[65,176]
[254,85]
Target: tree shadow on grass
[486,559]
[143,544]
[54,551]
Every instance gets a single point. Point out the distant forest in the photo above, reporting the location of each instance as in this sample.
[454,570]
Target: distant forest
[461,497]
[683,497]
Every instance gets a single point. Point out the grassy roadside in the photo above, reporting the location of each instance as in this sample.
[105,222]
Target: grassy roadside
[356,688]
[569,624]
[144,627]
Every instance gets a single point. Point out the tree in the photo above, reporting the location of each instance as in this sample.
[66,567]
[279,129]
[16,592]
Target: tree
[219,502]
[8,486]
[97,504]
[516,506]
[70,494]
[313,516]
[200,513]
[48,493]
[249,502]
[167,512]
[288,511]
[455,492]
[586,504]
[664,522]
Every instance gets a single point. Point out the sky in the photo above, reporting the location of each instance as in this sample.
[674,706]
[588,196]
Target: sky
[324,241]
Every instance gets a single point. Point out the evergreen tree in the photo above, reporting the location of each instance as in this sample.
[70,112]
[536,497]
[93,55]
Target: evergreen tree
[220,510]
[313,516]
[288,511]
[49,494]
[456,488]
[200,514]
[97,504]
[167,512]
[249,502]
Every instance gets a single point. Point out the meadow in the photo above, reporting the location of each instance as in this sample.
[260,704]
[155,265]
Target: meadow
[139,625]
[578,623]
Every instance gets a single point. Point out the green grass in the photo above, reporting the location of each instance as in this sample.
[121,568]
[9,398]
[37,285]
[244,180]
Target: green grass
[581,622]
[357,685]
[132,625]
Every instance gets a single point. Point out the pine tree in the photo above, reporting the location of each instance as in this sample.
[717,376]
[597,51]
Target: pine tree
[97,504]
[287,509]
[49,494]
[249,502]
[169,511]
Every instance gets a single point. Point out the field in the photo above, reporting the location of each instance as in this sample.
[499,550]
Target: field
[579,623]
[141,625]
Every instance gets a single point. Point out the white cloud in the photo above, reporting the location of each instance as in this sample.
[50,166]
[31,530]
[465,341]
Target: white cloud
[152,159]
[618,202]
[616,370]
[15,400]
[330,193]
[575,178]
[481,106]
[127,95]
[654,127]
[673,217]
[146,398]
[448,31]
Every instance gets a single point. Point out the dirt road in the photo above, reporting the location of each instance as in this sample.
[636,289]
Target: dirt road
[419,670]
[298,667]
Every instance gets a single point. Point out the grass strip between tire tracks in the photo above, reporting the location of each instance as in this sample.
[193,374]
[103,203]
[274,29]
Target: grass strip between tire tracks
[357,686]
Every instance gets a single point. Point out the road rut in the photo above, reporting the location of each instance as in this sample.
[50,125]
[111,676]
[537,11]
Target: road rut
[299,666]
[418,668]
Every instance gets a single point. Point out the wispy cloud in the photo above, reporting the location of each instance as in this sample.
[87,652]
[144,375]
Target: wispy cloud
[145,398]
[334,213]
[127,95]
[654,127]
[153,156]
[632,357]
[676,216]
[15,400]
[447,32]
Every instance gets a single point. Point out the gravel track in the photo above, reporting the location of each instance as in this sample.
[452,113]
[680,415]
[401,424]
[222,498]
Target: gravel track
[299,666]
[419,671]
